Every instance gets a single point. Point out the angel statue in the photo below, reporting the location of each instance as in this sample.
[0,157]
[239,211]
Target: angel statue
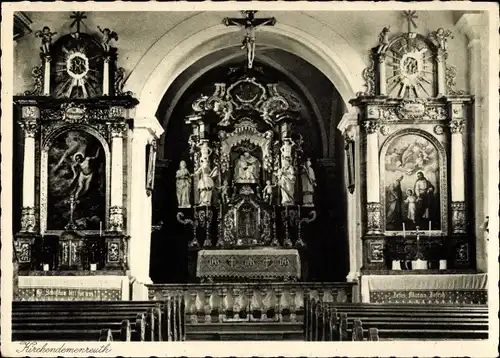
[107,36]
[46,36]
[383,39]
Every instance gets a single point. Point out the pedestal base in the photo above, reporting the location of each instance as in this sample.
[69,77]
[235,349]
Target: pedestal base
[251,264]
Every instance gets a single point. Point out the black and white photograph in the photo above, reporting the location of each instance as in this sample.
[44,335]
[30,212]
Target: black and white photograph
[264,178]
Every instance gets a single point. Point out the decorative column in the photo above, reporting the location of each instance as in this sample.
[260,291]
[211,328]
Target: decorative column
[475,27]
[29,123]
[105,76]
[372,176]
[139,209]
[46,75]
[350,130]
[457,125]
[382,74]
[441,67]
[116,207]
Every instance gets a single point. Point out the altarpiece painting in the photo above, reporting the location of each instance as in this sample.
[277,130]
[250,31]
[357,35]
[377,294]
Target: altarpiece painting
[76,177]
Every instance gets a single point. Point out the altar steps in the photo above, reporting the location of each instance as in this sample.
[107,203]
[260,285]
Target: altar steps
[245,331]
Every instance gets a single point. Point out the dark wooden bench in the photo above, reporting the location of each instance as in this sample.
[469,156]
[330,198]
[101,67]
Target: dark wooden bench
[80,320]
[395,321]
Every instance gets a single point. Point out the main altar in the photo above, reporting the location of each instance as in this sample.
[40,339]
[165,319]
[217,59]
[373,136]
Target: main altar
[247,188]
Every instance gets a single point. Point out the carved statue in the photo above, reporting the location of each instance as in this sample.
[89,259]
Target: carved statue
[224,191]
[247,169]
[286,182]
[205,150]
[226,110]
[107,36]
[46,36]
[267,192]
[183,185]
[383,39]
[308,179]
[286,148]
[205,182]
[82,173]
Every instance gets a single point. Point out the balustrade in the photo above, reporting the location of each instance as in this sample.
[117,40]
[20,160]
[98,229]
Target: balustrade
[243,302]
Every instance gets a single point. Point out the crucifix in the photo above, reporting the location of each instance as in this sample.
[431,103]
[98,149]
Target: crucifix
[250,24]
[72,203]
[410,15]
[78,17]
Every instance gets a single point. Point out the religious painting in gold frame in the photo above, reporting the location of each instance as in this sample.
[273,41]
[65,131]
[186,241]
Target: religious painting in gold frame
[413,184]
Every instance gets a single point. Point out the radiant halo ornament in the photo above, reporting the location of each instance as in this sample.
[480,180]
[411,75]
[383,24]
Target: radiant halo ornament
[77,65]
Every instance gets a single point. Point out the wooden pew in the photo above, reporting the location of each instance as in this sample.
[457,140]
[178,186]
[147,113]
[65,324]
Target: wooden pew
[80,320]
[419,321]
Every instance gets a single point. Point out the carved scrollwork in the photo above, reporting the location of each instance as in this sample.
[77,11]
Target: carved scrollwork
[388,114]
[28,219]
[116,218]
[457,126]
[373,218]
[368,75]
[29,127]
[450,76]
[117,129]
[120,82]
[371,127]
[458,217]
[37,75]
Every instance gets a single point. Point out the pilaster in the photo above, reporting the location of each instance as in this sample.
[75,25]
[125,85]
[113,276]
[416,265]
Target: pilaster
[145,131]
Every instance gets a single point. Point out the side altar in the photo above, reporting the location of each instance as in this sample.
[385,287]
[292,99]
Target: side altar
[247,189]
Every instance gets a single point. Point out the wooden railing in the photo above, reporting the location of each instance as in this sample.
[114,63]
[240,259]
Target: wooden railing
[261,302]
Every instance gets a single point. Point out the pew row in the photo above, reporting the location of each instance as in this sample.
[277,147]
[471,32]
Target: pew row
[328,321]
[151,321]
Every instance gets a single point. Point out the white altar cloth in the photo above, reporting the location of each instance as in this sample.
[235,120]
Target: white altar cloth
[454,282]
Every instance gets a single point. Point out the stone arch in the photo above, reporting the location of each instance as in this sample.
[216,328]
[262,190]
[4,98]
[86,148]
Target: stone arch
[202,34]
[268,61]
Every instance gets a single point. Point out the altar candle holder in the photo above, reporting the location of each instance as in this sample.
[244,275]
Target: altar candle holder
[287,242]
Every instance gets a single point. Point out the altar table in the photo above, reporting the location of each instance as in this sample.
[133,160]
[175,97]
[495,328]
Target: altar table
[253,264]
[425,289]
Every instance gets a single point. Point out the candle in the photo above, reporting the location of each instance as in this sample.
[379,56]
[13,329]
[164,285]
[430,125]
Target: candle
[100,228]
[404,231]
[430,228]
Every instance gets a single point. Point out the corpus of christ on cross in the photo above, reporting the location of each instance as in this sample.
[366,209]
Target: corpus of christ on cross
[250,24]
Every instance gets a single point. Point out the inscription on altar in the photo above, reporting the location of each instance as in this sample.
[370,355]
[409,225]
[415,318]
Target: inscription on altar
[68,294]
[430,297]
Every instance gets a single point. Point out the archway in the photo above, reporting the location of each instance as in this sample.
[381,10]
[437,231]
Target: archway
[156,72]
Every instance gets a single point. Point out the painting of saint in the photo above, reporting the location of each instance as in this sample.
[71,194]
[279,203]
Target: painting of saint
[412,184]
[76,169]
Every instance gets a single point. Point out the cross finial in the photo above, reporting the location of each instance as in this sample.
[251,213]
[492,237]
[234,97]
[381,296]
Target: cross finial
[78,17]
[410,15]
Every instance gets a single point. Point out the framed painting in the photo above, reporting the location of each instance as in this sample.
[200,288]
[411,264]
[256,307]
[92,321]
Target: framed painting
[413,184]
[75,177]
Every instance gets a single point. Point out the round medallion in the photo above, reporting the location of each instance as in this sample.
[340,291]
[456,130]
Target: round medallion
[77,65]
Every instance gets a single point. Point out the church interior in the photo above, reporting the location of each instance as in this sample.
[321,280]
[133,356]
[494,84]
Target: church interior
[247,175]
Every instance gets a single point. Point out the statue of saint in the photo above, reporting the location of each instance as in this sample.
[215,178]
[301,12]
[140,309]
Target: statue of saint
[83,172]
[247,169]
[308,179]
[286,182]
[286,148]
[183,185]
[205,182]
